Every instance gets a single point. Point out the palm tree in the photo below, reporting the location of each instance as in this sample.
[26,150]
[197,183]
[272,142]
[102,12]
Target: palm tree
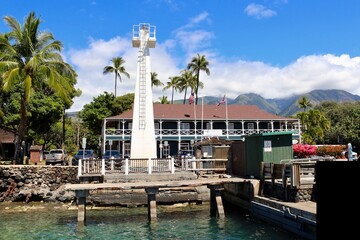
[30,61]
[163,100]
[196,65]
[155,81]
[188,80]
[116,68]
[304,103]
[314,125]
[174,85]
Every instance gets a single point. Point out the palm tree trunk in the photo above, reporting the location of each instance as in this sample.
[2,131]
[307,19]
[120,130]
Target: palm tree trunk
[197,87]
[185,95]
[19,149]
[172,95]
[115,83]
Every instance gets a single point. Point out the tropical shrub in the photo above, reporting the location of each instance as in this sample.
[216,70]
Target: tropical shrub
[331,150]
[304,150]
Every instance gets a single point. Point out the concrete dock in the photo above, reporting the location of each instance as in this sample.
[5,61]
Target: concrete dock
[151,189]
[299,217]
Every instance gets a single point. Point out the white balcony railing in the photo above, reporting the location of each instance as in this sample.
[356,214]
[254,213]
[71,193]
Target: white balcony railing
[101,167]
[199,132]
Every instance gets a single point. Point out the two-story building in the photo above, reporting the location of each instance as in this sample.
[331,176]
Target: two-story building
[179,126]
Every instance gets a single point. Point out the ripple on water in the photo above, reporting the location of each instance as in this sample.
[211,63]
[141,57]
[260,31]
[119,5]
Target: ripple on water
[47,221]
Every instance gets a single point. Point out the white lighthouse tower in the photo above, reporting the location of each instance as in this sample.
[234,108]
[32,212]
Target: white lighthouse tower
[143,142]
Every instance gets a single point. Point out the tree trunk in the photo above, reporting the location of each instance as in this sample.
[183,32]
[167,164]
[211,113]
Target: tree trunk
[197,87]
[185,95]
[172,95]
[19,148]
[115,83]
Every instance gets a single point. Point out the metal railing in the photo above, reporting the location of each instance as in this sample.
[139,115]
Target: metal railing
[207,164]
[91,167]
[127,166]
[199,132]
[298,173]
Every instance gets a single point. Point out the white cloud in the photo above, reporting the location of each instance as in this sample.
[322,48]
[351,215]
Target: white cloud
[193,40]
[89,64]
[232,77]
[306,74]
[195,21]
[259,11]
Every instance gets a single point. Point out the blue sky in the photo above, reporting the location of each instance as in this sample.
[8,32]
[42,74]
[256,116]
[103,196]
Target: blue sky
[275,48]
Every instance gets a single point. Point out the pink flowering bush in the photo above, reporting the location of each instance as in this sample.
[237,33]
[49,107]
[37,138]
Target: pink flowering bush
[304,150]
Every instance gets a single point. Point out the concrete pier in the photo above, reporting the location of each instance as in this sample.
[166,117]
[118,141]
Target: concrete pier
[151,192]
[81,202]
[216,205]
[152,188]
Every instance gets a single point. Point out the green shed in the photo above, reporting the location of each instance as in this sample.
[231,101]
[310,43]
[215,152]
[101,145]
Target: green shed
[266,147]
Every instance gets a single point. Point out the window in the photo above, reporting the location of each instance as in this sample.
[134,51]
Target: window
[127,148]
[166,150]
[185,127]
[231,128]
[250,126]
[157,128]
[208,125]
[130,125]
[206,151]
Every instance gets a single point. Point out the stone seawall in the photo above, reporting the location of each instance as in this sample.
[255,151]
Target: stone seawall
[27,183]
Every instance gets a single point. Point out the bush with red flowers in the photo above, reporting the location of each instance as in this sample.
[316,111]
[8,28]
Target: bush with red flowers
[331,150]
[304,150]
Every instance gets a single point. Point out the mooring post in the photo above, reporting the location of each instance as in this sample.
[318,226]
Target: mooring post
[81,202]
[216,205]
[151,192]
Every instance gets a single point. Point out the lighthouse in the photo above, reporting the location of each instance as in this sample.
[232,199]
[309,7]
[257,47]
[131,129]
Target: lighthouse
[143,142]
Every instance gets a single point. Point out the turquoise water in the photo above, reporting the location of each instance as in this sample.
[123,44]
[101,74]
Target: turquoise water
[191,222]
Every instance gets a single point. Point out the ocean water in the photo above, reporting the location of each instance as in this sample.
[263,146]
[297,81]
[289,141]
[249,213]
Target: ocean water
[53,221]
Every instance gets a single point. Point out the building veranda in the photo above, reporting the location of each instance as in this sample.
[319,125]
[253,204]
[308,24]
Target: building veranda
[180,126]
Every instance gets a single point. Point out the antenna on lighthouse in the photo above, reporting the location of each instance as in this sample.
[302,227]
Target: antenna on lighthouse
[143,142]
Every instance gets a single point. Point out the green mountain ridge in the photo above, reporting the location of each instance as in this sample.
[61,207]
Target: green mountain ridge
[287,106]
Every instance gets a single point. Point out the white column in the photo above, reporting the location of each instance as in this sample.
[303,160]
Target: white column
[123,138]
[104,136]
[119,141]
[126,166]
[160,129]
[103,167]
[257,126]
[179,134]
[242,127]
